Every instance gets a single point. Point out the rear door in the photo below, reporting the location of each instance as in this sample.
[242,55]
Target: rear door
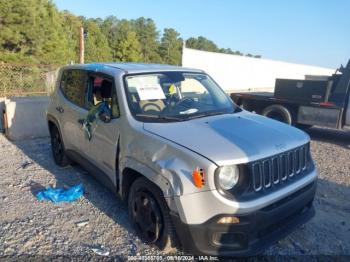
[102,148]
[73,108]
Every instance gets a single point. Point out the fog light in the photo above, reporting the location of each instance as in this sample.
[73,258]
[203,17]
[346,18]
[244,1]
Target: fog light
[228,220]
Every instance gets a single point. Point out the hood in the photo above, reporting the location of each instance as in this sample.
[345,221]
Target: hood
[231,139]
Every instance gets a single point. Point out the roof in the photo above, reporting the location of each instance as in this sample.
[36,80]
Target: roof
[132,68]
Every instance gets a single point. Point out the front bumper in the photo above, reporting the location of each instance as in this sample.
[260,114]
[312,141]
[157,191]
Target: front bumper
[255,232]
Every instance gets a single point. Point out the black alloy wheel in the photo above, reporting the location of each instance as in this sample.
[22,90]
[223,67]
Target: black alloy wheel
[58,150]
[150,215]
[147,216]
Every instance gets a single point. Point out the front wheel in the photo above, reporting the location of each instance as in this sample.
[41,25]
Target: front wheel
[150,216]
[58,150]
[304,127]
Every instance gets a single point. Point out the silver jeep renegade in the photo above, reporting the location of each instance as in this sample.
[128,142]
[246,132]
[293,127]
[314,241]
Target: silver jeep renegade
[195,170]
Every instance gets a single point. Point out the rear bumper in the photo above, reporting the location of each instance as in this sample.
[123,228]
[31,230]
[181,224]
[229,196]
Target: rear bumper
[255,232]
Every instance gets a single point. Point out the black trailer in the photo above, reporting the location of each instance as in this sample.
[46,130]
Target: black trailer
[304,103]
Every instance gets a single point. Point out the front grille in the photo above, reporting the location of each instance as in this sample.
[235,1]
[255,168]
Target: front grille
[273,171]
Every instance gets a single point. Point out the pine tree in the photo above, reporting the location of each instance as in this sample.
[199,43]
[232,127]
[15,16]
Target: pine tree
[51,36]
[96,44]
[116,34]
[32,31]
[148,35]
[71,25]
[129,49]
[170,47]
[108,25]
[202,43]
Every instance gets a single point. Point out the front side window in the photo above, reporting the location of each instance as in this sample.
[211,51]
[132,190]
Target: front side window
[101,90]
[175,96]
[73,86]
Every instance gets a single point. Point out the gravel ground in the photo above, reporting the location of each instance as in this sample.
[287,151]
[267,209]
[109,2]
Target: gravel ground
[29,227]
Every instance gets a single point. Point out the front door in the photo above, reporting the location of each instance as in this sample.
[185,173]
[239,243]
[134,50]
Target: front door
[103,143]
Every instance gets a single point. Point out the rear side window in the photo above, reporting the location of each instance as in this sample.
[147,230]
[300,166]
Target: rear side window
[73,86]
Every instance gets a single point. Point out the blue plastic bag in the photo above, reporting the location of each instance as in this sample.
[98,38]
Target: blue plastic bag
[58,195]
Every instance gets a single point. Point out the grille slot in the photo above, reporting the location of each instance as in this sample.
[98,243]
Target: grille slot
[278,169]
[266,164]
[257,178]
[275,170]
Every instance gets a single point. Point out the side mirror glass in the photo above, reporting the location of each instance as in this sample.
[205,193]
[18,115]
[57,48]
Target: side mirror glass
[105,118]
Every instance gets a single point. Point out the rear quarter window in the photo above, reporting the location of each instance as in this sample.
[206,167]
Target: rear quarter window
[73,86]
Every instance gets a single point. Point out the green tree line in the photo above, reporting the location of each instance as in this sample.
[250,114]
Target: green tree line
[36,32]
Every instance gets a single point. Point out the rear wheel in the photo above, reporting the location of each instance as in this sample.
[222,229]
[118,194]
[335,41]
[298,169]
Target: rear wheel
[279,113]
[58,150]
[150,216]
[303,126]
[246,106]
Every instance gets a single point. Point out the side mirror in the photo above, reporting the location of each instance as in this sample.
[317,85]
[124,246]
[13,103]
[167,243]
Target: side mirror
[105,118]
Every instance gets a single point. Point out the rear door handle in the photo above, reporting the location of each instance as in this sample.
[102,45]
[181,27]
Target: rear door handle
[60,109]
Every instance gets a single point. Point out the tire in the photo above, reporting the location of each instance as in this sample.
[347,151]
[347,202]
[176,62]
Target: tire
[149,215]
[304,127]
[279,113]
[58,149]
[246,106]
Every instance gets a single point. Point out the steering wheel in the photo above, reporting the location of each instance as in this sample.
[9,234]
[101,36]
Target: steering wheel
[144,107]
[184,101]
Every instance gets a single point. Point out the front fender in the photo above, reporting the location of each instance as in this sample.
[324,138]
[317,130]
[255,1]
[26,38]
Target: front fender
[158,178]
[168,165]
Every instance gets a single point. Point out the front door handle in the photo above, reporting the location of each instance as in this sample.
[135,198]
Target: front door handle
[81,121]
[60,109]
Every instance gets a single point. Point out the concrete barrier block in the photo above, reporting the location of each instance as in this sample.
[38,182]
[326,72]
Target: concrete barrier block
[26,117]
[2,109]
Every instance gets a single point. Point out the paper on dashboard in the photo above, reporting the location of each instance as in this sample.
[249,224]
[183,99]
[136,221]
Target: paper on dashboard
[148,88]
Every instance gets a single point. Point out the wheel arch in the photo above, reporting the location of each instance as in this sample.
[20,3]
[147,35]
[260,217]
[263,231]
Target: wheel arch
[129,176]
[63,160]
[254,105]
[51,121]
[289,112]
[132,172]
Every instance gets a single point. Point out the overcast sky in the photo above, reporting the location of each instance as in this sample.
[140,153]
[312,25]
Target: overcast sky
[315,32]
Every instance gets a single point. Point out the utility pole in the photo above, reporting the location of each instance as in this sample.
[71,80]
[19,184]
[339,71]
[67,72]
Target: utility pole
[82,49]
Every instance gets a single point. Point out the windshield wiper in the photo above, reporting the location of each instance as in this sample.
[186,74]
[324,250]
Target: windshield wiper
[160,117]
[207,114]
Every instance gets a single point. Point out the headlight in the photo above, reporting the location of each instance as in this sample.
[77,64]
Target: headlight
[228,177]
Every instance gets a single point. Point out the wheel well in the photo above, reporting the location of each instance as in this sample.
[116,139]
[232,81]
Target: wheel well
[52,122]
[254,105]
[51,125]
[129,176]
[293,110]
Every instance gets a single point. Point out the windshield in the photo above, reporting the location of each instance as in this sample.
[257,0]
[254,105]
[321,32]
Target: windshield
[175,96]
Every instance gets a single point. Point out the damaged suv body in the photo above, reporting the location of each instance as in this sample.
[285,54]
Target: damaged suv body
[194,168]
